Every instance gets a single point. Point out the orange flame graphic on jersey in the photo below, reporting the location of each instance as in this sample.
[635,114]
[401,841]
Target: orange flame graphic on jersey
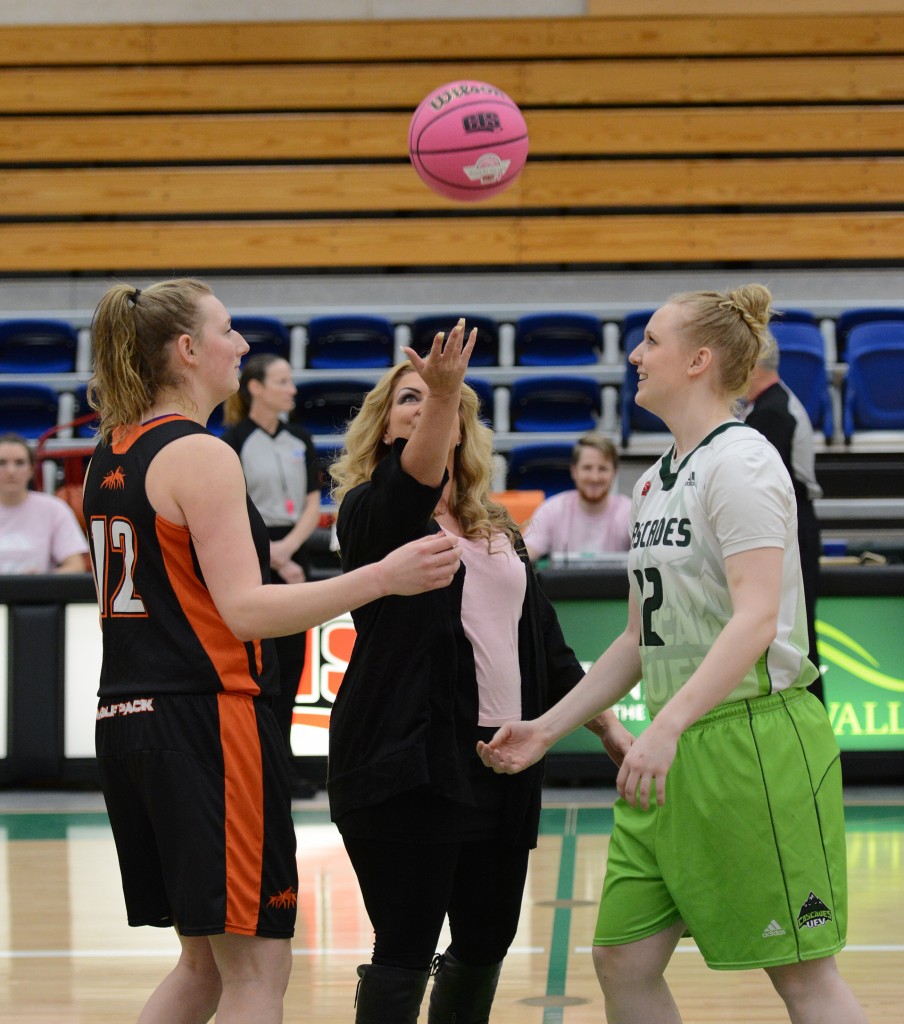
[287,898]
[115,480]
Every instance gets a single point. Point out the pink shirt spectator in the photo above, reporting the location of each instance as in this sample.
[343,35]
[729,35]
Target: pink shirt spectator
[560,525]
[38,534]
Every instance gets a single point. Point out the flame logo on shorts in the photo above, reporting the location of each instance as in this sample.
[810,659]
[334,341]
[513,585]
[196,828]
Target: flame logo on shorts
[284,900]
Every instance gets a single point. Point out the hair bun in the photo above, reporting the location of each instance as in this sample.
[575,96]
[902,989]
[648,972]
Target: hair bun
[754,304]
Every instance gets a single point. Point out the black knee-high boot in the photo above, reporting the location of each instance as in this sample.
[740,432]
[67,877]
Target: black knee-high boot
[389,995]
[462,994]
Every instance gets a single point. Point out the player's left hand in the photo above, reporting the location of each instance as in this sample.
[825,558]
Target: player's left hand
[645,767]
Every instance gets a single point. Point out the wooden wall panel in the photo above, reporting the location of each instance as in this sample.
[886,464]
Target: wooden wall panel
[403,86]
[684,136]
[374,135]
[673,31]
[667,8]
[200,246]
[116,192]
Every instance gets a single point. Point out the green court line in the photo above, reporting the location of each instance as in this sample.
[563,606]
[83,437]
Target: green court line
[36,825]
[52,825]
[873,817]
[593,821]
[561,919]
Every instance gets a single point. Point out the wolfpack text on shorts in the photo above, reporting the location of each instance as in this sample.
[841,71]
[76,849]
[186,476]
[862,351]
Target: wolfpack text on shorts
[129,707]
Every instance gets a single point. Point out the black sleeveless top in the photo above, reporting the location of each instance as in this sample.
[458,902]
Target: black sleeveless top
[162,633]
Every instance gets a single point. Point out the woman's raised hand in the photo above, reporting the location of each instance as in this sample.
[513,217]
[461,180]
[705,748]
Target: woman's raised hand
[444,367]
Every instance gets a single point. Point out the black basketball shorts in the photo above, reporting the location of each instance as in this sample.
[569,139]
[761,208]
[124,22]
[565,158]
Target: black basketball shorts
[197,791]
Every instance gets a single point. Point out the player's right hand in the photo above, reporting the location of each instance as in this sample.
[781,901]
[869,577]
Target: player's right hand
[444,367]
[425,564]
[516,746]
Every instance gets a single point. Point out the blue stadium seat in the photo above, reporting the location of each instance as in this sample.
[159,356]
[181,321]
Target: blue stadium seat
[325,407]
[82,409]
[349,342]
[540,467]
[555,403]
[263,334]
[486,348]
[802,366]
[484,390]
[851,318]
[28,409]
[633,417]
[326,456]
[633,327]
[797,316]
[873,392]
[558,339]
[37,346]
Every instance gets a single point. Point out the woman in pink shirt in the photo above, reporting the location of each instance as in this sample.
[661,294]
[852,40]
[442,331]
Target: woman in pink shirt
[39,533]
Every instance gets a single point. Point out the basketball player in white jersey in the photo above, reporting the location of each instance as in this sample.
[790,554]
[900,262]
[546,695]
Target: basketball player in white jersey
[729,825]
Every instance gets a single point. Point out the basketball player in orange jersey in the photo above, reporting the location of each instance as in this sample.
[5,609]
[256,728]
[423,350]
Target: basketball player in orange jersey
[192,762]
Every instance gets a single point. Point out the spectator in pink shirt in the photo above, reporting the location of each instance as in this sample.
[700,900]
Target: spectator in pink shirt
[589,520]
[39,533]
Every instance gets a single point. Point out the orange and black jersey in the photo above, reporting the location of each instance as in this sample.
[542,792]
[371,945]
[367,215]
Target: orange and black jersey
[162,633]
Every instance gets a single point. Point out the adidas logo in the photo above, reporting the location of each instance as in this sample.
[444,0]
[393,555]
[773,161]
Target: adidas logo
[772,929]
[691,480]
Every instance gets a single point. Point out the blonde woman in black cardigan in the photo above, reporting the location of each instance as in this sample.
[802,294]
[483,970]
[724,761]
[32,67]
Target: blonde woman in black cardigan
[429,831]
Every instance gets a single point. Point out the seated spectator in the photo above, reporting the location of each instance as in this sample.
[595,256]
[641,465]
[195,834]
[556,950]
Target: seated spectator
[590,520]
[39,533]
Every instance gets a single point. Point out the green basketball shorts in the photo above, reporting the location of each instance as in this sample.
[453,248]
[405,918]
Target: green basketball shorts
[748,849]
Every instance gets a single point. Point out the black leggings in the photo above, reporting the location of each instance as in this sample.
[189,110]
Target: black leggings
[408,889]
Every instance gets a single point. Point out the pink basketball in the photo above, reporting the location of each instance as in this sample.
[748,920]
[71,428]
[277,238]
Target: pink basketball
[468,140]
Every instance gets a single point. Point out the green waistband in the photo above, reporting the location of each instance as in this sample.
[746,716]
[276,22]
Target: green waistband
[755,706]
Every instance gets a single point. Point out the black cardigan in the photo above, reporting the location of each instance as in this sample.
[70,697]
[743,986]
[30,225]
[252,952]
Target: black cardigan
[406,713]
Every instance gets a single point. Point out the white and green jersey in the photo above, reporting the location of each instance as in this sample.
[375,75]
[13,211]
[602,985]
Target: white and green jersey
[730,494]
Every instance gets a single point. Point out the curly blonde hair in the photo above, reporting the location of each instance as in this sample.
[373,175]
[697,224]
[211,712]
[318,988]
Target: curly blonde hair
[469,497]
[734,324]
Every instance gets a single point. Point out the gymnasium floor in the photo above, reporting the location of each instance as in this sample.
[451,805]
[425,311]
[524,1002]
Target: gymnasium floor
[67,956]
